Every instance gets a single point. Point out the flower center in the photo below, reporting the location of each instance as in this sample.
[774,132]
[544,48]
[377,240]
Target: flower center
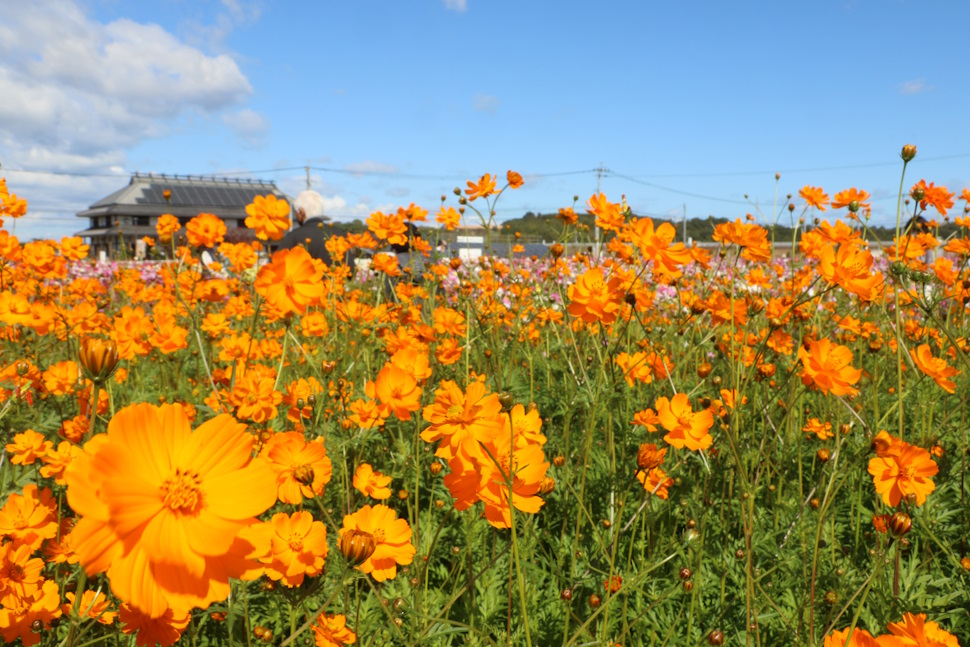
[908,472]
[182,492]
[17,573]
[304,475]
[296,544]
[19,522]
[378,536]
[454,414]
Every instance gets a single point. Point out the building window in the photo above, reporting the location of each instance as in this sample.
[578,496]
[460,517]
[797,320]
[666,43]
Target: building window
[143,221]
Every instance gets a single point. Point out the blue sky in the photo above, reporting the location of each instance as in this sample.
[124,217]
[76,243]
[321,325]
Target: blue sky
[695,103]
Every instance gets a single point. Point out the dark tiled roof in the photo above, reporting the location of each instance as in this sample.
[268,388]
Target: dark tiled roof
[190,195]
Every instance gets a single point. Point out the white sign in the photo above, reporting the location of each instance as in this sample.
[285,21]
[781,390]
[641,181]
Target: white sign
[471,240]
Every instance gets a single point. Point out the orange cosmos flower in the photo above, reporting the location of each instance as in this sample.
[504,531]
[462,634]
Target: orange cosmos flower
[916,631]
[20,575]
[935,367]
[11,205]
[821,429]
[302,468]
[205,230]
[29,518]
[655,245]
[255,398]
[936,196]
[850,268]
[131,332]
[526,426]
[609,215]
[163,631]
[568,216]
[56,461]
[241,256]
[392,537]
[686,427]
[448,217]
[753,238]
[388,227]
[94,603]
[386,263]
[269,217]
[298,547]
[371,483]
[74,249]
[814,196]
[649,457]
[291,281]
[27,447]
[461,420]
[527,466]
[860,638]
[164,510]
[906,471]
[398,390]
[720,307]
[331,631]
[828,367]
[166,227]
[655,481]
[449,351]
[593,298]
[19,615]
[839,233]
[844,198]
[481,189]
[414,362]
[514,179]
[646,418]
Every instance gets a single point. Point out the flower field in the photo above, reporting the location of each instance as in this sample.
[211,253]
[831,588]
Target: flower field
[635,442]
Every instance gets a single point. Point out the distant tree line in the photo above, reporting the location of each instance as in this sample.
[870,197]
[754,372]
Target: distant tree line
[549,228]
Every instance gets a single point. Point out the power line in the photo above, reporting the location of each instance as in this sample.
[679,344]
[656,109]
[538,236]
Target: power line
[798,170]
[678,191]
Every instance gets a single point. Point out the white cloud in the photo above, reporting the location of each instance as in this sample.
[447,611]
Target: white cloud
[458,6]
[77,93]
[248,125]
[917,86]
[485,103]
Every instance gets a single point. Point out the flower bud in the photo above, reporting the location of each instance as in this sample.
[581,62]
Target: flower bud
[900,524]
[557,250]
[547,485]
[716,638]
[99,358]
[908,153]
[507,400]
[854,206]
[357,546]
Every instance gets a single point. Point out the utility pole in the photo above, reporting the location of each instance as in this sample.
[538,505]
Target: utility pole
[307,177]
[685,224]
[600,170]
